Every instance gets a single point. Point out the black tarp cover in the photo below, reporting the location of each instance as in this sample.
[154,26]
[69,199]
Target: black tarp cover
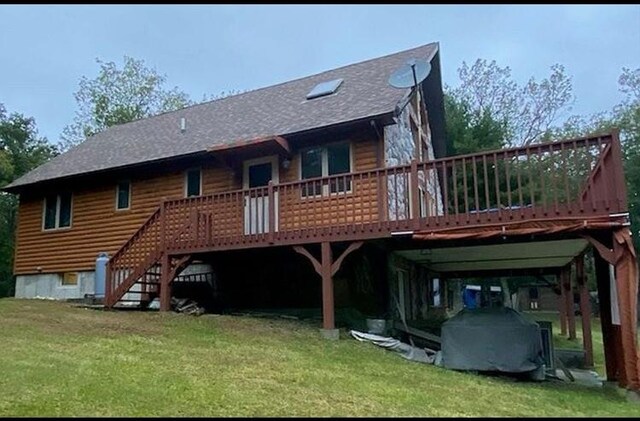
[491,339]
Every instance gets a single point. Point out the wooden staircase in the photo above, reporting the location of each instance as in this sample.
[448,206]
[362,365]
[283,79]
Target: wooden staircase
[135,272]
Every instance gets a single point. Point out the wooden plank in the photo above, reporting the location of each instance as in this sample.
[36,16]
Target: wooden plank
[417,332]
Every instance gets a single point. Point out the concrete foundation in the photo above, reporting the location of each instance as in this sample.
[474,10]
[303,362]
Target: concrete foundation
[49,285]
[330,334]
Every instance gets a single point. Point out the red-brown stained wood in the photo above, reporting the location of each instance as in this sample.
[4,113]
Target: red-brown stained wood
[96,225]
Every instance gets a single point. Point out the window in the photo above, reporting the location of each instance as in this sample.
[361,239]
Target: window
[57,211]
[436,293]
[123,195]
[70,279]
[324,88]
[322,162]
[193,183]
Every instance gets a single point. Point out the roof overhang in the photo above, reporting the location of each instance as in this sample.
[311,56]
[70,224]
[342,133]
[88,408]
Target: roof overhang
[233,154]
[264,145]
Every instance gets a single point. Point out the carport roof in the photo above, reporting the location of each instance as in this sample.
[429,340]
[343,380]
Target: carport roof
[494,257]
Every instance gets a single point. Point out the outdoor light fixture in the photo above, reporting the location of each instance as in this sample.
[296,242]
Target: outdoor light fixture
[286,163]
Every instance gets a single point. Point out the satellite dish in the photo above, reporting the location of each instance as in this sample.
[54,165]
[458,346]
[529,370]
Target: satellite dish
[410,74]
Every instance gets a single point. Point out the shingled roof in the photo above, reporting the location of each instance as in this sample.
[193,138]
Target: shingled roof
[275,110]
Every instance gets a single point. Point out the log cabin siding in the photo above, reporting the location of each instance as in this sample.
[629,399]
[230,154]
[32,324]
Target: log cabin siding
[361,203]
[97,226]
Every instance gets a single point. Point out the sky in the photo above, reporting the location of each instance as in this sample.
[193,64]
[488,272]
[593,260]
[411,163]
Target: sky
[45,50]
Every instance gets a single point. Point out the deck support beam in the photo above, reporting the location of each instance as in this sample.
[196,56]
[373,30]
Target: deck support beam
[562,305]
[165,284]
[171,267]
[326,267]
[568,296]
[585,310]
[328,310]
[610,332]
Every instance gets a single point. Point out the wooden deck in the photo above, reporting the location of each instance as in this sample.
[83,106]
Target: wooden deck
[571,178]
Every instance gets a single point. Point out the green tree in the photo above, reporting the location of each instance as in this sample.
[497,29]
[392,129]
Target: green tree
[525,111]
[21,150]
[118,96]
[469,130]
[626,117]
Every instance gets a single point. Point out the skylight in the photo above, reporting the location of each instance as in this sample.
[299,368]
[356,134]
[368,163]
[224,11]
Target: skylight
[324,88]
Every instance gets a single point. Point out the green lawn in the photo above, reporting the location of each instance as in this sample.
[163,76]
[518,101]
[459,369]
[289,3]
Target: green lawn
[561,341]
[58,360]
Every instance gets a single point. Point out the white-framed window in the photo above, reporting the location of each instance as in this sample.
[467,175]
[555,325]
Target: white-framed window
[57,211]
[324,161]
[193,182]
[123,195]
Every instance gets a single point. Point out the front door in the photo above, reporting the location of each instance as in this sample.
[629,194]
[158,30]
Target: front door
[256,177]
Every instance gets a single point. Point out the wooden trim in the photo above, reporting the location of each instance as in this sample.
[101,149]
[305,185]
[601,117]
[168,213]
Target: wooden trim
[303,251]
[275,169]
[284,144]
[186,182]
[118,195]
[57,217]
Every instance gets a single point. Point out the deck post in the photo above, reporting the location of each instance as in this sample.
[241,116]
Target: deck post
[609,336]
[165,283]
[328,310]
[562,304]
[326,268]
[568,296]
[108,284]
[585,310]
[618,176]
[272,211]
[415,195]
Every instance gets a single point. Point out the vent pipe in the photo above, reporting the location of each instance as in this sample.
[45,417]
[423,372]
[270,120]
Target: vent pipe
[183,124]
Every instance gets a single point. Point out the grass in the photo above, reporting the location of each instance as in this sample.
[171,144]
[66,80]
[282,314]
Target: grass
[60,360]
[560,341]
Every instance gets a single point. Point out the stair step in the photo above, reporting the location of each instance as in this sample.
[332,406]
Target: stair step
[139,292]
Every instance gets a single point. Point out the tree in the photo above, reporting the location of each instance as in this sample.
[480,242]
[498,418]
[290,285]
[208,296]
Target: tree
[21,150]
[470,130]
[223,94]
[526,112]
[119,96]
[626,117]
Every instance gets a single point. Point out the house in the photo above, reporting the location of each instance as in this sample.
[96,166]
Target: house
[339,177]
[536,297]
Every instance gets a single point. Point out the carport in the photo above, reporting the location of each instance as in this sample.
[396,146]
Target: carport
[551,249]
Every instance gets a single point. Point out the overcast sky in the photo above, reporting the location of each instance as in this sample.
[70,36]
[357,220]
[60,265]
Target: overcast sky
[45,50]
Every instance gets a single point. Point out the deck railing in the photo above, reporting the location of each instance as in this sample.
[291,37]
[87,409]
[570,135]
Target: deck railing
[549,180]
[542,181]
